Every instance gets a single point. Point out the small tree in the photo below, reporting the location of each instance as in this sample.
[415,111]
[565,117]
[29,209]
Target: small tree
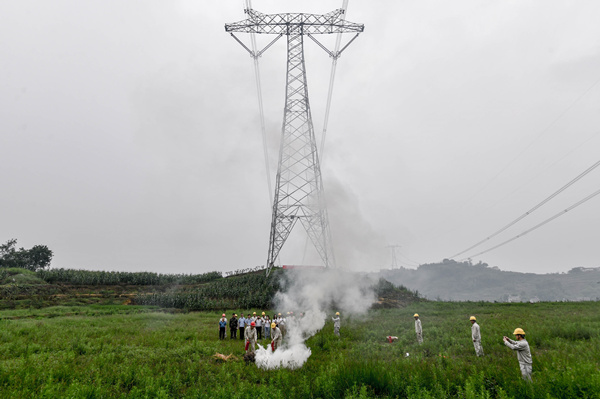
[36,258]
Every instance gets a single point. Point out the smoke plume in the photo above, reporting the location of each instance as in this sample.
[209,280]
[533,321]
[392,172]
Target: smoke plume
[313,295]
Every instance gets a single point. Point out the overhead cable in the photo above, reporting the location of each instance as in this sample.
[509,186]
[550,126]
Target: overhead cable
[331,80]
[529,212]
[543,132]
[589,197]
[255,56]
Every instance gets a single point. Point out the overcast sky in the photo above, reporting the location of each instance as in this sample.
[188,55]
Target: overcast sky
[130,135]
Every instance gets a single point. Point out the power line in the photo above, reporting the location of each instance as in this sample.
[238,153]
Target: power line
[538,225]
[529,212]
[543,132]
[338,43]
[255,55]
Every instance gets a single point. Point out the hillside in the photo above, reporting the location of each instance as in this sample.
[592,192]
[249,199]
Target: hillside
[464,281]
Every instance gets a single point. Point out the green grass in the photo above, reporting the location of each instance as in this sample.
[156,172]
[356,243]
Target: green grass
[102,351]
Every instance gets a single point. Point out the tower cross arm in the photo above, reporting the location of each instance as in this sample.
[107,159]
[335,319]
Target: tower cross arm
[278,24]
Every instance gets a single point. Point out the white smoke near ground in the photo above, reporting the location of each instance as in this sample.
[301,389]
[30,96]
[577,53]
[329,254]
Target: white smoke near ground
[313,296]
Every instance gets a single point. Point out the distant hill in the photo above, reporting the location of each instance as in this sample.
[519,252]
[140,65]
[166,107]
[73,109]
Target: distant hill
[464,281]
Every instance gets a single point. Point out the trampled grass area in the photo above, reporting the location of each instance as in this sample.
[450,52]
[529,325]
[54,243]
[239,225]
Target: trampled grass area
[139,352]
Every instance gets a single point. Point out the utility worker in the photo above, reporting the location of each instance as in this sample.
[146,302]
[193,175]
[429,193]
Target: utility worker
[281,324]
[258,323]
[523,353]
[267,325]
[250,337]
[233,325]
[277,337]
[222,325]
[476,336]
[418,329]
[336,324]
[242,325]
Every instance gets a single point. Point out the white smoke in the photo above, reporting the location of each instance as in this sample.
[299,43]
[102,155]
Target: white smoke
[317,294]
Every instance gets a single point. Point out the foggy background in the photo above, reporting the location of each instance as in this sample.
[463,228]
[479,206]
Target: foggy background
[130,136]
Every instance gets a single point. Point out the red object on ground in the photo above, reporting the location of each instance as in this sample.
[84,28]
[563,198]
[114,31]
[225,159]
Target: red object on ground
[247,345]
[273,346]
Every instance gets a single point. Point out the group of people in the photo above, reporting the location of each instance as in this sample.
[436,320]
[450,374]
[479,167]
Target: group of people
[253,328]
[520,344]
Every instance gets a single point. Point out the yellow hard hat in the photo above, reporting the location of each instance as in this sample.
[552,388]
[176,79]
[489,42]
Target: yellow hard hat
[473,318]
[253,312]
[416,315]
[337,313]
[519,331]
[273,325]
[263,313]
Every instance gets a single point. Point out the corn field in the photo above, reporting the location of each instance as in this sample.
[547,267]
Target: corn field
[88,277]
[243,292]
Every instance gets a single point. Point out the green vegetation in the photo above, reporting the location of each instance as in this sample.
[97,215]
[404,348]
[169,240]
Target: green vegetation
[36,258]
[141,352]
[90,277]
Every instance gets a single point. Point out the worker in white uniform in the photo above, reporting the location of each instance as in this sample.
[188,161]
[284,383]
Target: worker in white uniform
[276,336]
[336,324]
[523,353]
[250,335]
[418,329]
[476,336]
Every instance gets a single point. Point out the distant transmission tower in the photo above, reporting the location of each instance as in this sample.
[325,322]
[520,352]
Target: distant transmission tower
[299,191]
[394,258]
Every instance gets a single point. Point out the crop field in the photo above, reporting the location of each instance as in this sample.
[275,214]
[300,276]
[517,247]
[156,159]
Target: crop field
[116,351]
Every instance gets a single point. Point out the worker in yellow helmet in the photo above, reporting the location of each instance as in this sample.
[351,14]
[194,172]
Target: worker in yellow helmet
[276,336]
[476,336]
[336,324]
[418,329]
[523,353]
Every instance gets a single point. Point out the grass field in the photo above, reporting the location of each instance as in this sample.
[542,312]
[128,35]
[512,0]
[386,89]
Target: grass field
[110,351]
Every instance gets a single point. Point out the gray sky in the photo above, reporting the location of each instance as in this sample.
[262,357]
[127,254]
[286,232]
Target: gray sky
[130,136]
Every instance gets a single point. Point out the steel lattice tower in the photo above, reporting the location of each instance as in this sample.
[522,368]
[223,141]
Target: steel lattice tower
[299,191]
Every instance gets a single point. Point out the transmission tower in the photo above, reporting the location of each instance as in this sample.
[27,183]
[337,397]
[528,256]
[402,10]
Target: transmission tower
[299,191]
[394,258]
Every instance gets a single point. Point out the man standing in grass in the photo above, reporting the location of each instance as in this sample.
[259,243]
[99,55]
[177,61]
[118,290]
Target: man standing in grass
[523,353]
[222,325]
[277,337]
[336,324]
[476,336]
[418,329]
[251,338]
[242,325]
[233,325]
[259,325]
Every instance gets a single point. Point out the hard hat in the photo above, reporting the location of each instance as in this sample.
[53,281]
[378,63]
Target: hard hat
[416,315]
[253,312]
[273,325]
[263,313]
[253,324]
[519,331]
[223,314]
[473,318]
[337,313]
[235,314]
